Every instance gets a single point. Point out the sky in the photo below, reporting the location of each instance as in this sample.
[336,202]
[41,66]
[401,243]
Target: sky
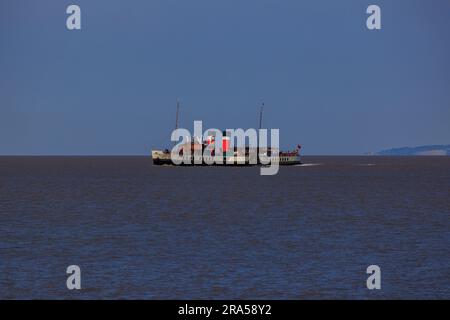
[327,82]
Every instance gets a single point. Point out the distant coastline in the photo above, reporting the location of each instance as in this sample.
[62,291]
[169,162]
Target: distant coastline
[428,150]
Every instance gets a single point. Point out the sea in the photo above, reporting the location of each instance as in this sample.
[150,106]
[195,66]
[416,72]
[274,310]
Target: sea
[139,231]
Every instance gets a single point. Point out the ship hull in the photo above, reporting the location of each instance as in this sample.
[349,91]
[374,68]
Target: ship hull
[163,158]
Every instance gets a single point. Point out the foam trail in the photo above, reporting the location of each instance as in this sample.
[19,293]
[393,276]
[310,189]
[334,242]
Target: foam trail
[308,165]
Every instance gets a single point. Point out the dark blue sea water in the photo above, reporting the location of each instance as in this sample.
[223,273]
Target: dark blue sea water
[147,232]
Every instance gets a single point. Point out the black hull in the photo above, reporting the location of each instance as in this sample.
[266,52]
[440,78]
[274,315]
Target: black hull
[168,162]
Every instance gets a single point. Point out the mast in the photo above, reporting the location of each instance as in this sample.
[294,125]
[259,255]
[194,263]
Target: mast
[178,111]
[260,115]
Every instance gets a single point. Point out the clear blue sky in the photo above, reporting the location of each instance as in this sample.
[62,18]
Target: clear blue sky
[327,82]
